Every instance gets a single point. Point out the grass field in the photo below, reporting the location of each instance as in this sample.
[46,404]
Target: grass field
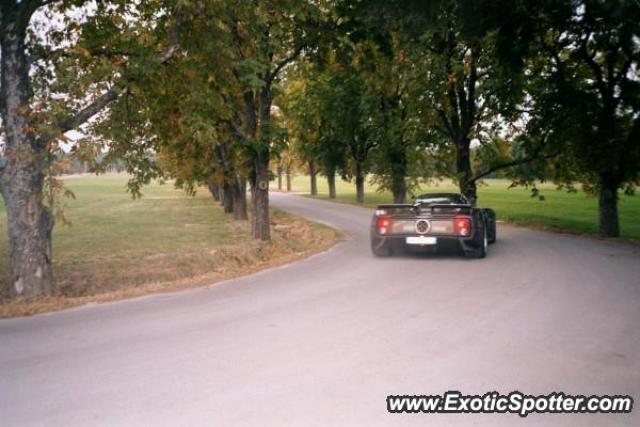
[563,211]
[116,244]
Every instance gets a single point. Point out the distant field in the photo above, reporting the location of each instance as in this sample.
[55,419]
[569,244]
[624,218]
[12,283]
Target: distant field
[109,230]
[573,212]
[116,243]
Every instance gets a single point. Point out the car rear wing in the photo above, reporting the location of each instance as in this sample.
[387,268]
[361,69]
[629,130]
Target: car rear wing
[446,208]
[390,209]
[435,208]
[395,206]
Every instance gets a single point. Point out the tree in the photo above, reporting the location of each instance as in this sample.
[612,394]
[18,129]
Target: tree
[469,97]
[401,136]
[591,54]
[265,37]
[226,80]
[352,105]
[35,115]
[301,126]
[311,116]
[186,115]
[474,98]
[581,59]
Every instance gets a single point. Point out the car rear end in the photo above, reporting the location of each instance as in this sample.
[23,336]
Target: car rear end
[433,227]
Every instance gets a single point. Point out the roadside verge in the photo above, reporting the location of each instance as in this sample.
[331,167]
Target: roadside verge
[293,238]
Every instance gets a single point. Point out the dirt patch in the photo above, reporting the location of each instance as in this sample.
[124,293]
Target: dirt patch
[292,238]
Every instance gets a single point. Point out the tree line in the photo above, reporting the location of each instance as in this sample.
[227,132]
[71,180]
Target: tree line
[223,92]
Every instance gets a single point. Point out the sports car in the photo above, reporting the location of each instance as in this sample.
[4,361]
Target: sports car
[433,222]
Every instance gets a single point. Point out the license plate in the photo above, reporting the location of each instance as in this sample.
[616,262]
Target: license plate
[421,240]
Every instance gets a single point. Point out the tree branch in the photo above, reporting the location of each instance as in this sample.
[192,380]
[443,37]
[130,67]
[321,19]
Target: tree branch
[112,94]
[516,162]
[471,92]
[445,121]
[173,45]
[90,110]
[280,65]
[553,51]
[236,129]
[597,71]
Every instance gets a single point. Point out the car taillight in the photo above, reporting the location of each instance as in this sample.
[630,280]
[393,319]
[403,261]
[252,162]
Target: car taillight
[462,226]
[384,224]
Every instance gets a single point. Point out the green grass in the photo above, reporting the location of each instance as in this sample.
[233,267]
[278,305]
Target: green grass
[113,237]
[563,211]
[110,232]
[119,248]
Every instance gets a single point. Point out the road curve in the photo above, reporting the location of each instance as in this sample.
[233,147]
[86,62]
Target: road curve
[323,341]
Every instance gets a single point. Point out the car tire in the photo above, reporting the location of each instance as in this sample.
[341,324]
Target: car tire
[490,222]
[480,252]
[381,250]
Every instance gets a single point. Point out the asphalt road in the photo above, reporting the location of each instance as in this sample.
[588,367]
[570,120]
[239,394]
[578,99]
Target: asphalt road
[322,342]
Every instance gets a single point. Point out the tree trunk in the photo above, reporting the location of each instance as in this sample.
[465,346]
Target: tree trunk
[260,187]
[260,199]
[313,175]
[331,181]
[608,207]
[29,221]
[359,182]
[221,196]
[227,199]
[398,177]
[464,172]
[240,199]
[280,172]
[289,186]
[30,224]
[399,188]
[214,189]
[253,189]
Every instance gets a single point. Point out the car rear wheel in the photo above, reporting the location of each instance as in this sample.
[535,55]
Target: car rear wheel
[481,251]
[381,250]
[490,221]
